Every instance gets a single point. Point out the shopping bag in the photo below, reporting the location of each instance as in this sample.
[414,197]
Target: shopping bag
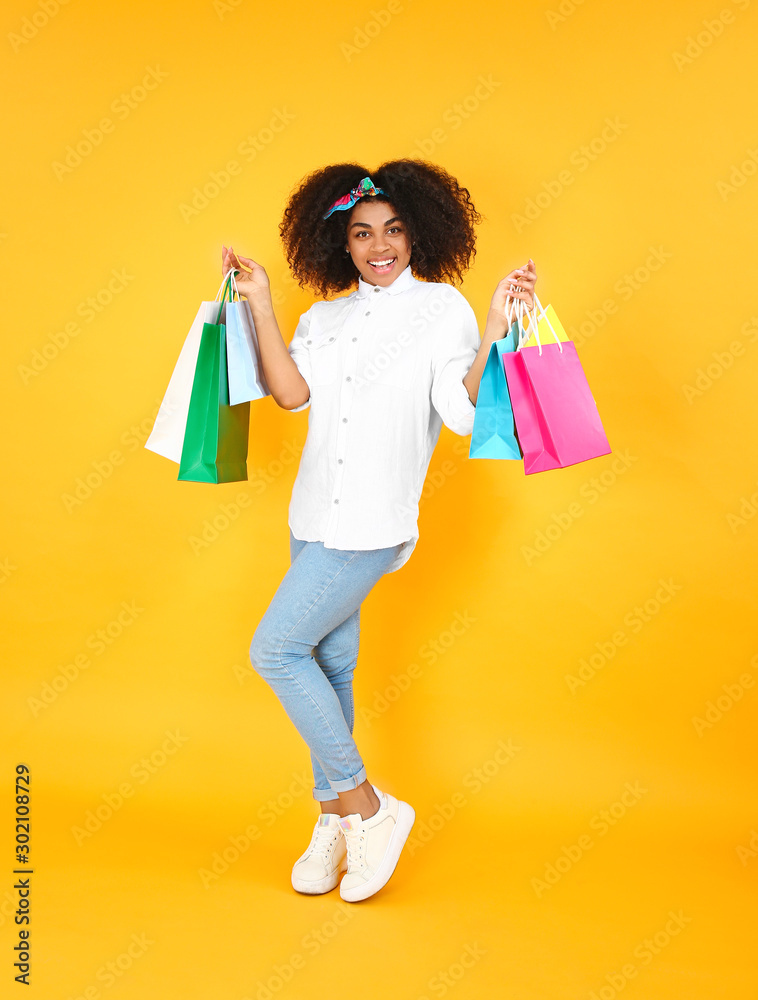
[493,433]
[547,324]
[556,417]
[167,435]
[246,379]
[216,436]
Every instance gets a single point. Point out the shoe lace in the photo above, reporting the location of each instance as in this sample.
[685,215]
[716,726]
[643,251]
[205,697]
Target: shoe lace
[323,839]
[356,845]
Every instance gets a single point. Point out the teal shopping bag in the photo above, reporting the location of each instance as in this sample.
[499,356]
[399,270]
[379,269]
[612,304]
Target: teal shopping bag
[494,434]
[216,435]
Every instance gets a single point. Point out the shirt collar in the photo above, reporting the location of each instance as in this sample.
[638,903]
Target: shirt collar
[404,280]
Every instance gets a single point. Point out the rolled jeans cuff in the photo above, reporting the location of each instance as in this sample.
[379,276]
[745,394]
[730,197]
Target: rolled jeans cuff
[343,785]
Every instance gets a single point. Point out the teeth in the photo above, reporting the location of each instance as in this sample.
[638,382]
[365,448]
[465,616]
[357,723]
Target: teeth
[381,263]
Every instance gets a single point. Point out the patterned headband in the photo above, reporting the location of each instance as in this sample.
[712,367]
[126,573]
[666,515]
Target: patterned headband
[363,188]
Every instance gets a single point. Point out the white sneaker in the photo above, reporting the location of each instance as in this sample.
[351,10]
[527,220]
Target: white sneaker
[319,868]
[374,846]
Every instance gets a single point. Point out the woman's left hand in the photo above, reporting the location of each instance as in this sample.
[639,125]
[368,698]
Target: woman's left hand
[519,284]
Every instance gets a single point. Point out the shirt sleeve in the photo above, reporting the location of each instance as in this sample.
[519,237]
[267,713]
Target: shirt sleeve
[301,355]
[455,346]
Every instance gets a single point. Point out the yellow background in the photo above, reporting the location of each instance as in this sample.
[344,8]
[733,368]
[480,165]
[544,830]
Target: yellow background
[364,83]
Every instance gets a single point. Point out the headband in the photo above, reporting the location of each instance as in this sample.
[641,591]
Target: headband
[363,188]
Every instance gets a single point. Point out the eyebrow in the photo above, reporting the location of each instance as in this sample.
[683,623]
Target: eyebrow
[364,225]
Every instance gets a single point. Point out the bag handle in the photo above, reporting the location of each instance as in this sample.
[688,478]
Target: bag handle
[235,290]
[544,315]
[510,310]
[538,312]
[221,287]
[514,313]
[524,333]
[226,287]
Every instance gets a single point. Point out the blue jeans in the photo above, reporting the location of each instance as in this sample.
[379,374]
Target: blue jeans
[306,647]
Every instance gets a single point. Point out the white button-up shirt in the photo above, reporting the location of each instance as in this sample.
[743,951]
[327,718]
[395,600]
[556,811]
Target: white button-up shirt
[384,366]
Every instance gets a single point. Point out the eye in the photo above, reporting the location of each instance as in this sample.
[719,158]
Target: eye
[395,229]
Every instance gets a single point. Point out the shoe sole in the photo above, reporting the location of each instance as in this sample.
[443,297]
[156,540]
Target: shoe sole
[406,817]
[316,888]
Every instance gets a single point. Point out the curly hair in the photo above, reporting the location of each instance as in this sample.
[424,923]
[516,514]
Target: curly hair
[438,213]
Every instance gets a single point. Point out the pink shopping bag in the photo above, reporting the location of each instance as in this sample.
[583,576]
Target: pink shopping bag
[556,417]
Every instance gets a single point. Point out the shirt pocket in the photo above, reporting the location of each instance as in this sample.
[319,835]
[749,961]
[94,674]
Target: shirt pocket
[325,359]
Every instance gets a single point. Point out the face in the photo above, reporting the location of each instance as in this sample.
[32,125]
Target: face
[374,235]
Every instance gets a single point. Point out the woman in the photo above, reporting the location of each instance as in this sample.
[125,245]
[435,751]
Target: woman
[381,368]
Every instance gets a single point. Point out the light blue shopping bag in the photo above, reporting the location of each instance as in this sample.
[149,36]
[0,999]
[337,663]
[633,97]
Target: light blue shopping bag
[494,434]
[245,373]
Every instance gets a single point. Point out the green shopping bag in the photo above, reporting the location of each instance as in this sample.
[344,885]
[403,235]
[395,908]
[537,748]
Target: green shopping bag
[493,435]
[216,435]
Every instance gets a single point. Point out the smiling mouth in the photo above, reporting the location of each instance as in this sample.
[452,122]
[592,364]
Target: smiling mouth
[382,266]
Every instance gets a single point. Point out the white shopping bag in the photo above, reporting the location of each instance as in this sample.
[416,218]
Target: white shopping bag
[243,358]
[167,435]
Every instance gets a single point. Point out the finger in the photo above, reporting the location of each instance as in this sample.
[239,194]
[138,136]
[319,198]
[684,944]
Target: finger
[527,279]
[518,274]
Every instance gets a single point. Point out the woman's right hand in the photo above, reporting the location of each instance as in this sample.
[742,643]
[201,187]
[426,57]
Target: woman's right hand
[252,280]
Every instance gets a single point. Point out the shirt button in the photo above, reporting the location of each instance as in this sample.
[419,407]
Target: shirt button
[344,420]
[368,313]
[348,379]
[339,461]
[309,341]
[354,339]
[376,289]
[336,501]
[331,338]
